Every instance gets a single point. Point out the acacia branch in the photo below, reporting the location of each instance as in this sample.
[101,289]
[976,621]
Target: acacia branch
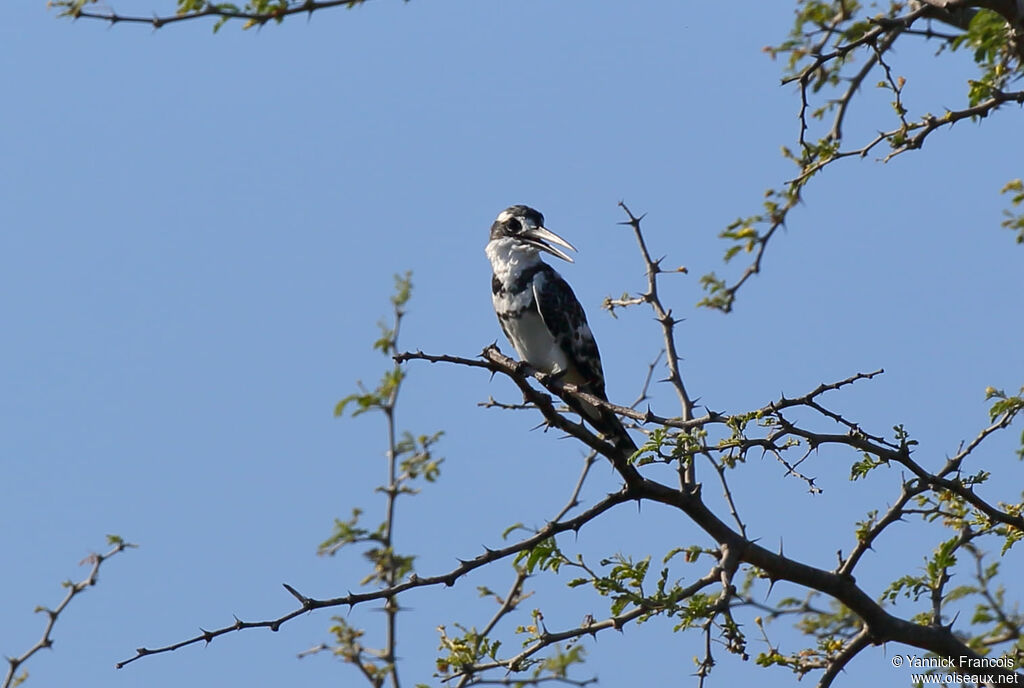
[815,65]
[391,491]
[899,140]
[1009,625]
[850,650]
[881,626]
[494,361]
[75,9]
[892,515]
[687,470]
[574,498]
[662,315]
[73,590]
[952,466]
[960,12]
[547,638]
[518,372]
[507,605]
[929,123]
[308,604]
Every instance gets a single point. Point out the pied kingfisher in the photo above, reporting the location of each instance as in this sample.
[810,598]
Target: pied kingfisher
[541,316]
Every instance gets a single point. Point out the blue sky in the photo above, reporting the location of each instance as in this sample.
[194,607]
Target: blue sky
[200,232]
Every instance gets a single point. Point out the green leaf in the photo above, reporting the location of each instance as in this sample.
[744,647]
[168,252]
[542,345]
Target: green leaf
[544,555]
[346,533]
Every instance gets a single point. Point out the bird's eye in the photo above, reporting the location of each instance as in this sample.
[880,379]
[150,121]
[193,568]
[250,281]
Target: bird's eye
[514,225]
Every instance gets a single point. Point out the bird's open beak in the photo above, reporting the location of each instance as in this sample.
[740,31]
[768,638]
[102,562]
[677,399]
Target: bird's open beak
[542,238]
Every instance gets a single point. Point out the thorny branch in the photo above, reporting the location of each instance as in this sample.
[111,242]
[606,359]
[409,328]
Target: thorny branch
[834,51]
[664,317]
[873,624]
[851,649]
[73,590]
[832,55]
[511,600]
[254,13]
[449,579]
[392,568]
[724,438]
[547,638]
[839,585]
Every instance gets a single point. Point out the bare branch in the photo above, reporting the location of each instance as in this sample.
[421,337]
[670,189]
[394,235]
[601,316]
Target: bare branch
[662,315]
[352,599]
[222,11]
[73,590]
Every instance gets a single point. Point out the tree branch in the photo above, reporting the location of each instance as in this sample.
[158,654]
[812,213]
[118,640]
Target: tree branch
[254,16]
[449,579]
[73,590]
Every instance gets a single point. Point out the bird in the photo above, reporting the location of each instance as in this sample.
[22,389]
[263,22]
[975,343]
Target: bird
[541,316]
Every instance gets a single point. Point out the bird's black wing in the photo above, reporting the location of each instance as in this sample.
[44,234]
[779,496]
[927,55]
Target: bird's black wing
[564,317]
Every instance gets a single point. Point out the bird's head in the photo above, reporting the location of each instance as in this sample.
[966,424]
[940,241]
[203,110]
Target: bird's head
[525,226]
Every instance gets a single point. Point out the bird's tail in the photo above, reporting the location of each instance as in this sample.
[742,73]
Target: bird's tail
[613,429]
[608,423]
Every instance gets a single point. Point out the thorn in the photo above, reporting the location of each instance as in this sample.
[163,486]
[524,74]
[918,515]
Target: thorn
[295,593]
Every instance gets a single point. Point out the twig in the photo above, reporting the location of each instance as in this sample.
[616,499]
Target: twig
[449,579]
[73,9]
[507,605]
[548,638]
[662,315]
[73,590]
[850,650]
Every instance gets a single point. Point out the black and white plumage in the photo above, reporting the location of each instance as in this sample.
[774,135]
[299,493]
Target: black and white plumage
[539,312]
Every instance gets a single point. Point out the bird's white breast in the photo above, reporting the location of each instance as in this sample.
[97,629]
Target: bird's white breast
[510,257]
[527,332]
[534,343]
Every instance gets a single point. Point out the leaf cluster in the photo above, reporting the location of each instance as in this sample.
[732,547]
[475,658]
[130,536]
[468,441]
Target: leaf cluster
[836,47]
